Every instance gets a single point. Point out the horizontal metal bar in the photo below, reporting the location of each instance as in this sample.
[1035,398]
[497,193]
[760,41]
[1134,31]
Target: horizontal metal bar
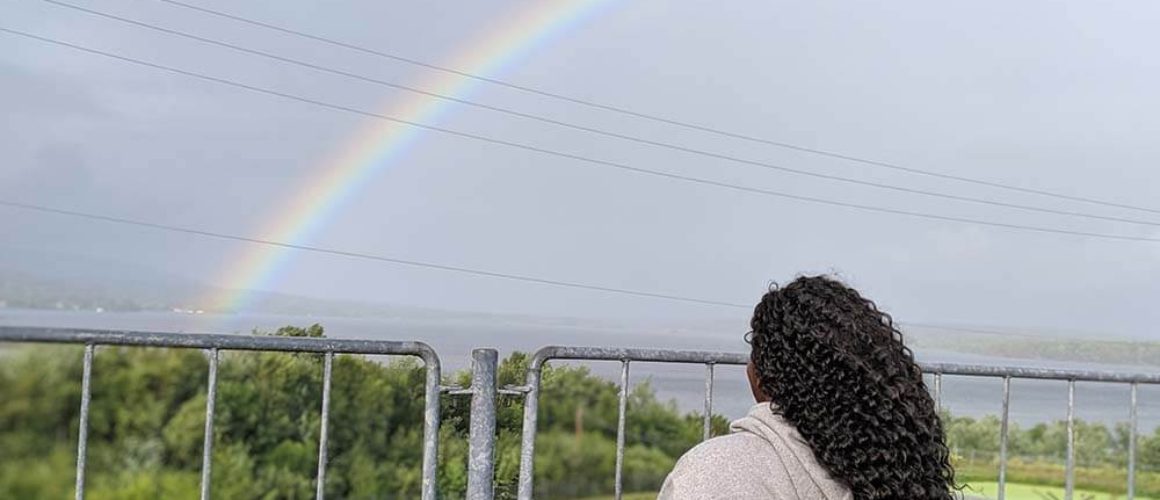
[1040,373]
[215,341]
[391,347]
[715,357]
[459,391]
[631,354]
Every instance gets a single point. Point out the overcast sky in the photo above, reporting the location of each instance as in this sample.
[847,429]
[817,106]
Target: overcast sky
[1058,96]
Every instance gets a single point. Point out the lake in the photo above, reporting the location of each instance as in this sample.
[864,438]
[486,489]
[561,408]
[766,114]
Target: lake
[453,339]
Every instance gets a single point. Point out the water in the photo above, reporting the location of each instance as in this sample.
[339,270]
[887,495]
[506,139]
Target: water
[453,339]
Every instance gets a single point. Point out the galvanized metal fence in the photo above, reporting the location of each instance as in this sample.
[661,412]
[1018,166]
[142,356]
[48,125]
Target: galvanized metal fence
[710,359]
[484,392]
[625,356]
[213,344]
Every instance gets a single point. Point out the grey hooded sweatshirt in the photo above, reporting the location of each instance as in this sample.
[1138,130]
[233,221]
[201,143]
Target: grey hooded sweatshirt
[764,457]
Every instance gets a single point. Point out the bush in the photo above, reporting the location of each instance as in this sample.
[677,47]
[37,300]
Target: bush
[147,418]
[148,414]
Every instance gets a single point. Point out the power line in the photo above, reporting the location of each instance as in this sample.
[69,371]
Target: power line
[593,161]
[592,130]
[654,118]
[364,256]
[441,267]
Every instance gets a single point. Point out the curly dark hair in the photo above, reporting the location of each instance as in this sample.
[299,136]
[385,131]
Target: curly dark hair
[835,367]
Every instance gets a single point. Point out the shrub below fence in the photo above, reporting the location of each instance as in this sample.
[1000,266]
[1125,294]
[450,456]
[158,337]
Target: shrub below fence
[147,418]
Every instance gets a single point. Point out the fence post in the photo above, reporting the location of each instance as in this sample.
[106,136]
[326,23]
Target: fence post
[481,441]
[207,438]
[1003,438]
[83,425]
[707,424]
[1069,478]
[621,416]
[528,439]
[1133,419]
[431,418]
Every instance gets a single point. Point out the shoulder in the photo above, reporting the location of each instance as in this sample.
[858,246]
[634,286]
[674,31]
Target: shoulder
[731,449]
[723,467]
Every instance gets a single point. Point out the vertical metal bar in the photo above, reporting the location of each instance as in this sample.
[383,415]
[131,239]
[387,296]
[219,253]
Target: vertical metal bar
[705,433]
[620,418]
[938,391]
[1069,484]
[323,436]
[1003,438]
[1132,423]
[481,440]
[431,427]
[528,440]
[207,440]
[83,426]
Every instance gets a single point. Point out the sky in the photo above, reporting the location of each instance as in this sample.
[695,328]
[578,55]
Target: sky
[1056,96]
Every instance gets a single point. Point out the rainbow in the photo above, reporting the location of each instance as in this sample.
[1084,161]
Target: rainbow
[376,147]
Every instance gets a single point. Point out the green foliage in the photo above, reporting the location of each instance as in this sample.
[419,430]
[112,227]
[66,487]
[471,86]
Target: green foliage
[1095,444]
[148,410]
[583,464]
[1037,454]
[1106,479]
[645,467]
[22,477]
[147,419]
[1014,491]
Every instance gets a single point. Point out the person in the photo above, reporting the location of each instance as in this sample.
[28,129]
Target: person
[842,410]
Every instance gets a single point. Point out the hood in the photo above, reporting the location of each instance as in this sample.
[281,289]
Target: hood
[801,464]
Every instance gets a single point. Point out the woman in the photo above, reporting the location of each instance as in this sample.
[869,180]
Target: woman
[842,411]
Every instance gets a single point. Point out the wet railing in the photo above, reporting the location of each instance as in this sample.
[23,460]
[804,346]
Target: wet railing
[213,345]
[625,356]
[484,391]
[710,359]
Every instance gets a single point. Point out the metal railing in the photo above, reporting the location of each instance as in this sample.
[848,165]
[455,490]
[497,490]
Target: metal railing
[710,359]
[213,344]
[484,391]
[625,356]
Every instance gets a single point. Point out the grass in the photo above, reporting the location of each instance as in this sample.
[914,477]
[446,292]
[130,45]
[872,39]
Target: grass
[1095,483]
[1029,492]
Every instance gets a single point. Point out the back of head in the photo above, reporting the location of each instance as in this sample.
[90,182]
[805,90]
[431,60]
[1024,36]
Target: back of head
[836,368]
